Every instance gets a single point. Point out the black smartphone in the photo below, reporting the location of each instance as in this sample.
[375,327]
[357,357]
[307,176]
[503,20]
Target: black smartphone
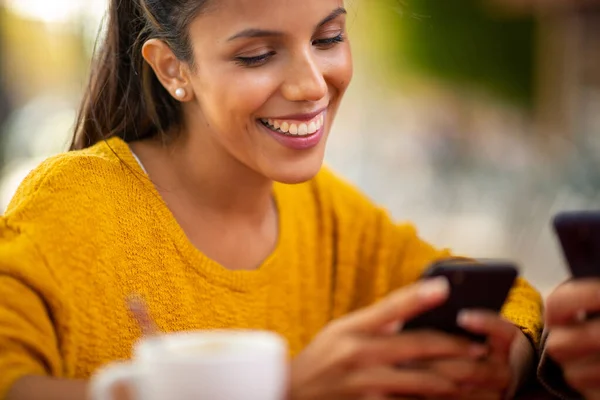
[482,285]
[579,235]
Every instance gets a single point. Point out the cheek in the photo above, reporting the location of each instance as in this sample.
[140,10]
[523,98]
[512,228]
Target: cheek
[246,92]
[232,99]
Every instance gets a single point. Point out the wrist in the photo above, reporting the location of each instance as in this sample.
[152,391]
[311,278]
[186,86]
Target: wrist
[522,362]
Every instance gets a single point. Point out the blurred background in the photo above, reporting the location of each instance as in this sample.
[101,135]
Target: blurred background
[475,119]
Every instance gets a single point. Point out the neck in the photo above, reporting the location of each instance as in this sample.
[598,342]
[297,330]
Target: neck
[203,175]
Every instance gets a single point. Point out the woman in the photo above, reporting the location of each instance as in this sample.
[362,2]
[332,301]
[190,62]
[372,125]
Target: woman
[570,365]
[197,184]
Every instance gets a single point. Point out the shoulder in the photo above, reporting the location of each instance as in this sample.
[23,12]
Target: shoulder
[69,179]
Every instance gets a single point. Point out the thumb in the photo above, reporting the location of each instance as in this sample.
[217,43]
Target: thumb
[398,307]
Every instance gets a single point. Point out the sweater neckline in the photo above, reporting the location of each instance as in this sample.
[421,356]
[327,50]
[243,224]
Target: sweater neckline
[211,270]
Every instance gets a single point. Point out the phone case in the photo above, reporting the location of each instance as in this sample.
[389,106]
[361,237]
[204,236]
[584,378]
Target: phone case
[579,235]
[482,285]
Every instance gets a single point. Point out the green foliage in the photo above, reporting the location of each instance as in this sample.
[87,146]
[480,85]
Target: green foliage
[462,42]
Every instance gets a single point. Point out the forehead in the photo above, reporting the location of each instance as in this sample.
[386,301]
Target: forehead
[288,16]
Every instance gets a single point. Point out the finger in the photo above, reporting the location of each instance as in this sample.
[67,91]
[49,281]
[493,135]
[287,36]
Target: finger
[391,329]
[570,299]
[566,344]
[395,381]
[584,375]
[401,305]
[474,374]
[500,332]
[137,306]
[410,347]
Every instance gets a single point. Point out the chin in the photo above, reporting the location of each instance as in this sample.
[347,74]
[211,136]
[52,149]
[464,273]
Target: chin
[294,174]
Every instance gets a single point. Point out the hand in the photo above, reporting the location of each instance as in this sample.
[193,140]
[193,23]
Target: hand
[358,356]
[494,376]
[574,341]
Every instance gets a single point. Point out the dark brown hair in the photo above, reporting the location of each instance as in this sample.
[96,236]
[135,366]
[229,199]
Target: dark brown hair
[123,97]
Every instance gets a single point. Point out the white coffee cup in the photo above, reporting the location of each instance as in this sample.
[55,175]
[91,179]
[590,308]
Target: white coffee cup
[204,365]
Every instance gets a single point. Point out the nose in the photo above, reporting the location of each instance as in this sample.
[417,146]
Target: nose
[305,80]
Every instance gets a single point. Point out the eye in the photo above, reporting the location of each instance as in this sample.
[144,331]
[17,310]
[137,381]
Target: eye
[255,61]
[329,42]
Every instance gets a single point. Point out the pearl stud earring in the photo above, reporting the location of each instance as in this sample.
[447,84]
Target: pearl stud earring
[180,93]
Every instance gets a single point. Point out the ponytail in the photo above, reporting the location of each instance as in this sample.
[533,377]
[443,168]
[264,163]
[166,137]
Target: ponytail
[123,96]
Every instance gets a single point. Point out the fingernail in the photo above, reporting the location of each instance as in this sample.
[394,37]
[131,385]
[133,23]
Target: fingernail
[435,287]
[467,318]
[477,351]
[392,328]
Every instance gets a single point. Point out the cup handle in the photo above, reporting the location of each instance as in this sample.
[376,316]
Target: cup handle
[104,381]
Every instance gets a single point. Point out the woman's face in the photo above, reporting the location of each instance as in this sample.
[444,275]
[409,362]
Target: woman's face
[268,79]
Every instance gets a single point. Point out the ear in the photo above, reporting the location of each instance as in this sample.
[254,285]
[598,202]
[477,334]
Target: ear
[170,71]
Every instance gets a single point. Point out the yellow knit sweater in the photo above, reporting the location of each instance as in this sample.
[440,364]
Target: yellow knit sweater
[87,229]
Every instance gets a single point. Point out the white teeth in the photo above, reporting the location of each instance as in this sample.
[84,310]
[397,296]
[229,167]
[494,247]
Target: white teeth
[302,130]
[295,129]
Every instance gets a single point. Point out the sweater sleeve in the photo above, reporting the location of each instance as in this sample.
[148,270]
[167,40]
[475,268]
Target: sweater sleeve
[28,341]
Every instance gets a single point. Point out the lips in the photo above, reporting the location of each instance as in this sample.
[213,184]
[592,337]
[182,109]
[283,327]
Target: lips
[302,133]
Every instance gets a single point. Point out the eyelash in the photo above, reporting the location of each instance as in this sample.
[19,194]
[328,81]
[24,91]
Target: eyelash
[258,60]
[330,41]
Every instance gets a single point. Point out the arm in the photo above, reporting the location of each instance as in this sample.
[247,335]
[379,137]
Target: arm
[45,388]
[28,352]
[397,257]
[30,304]
[380,256]
[42,387]
[523,307]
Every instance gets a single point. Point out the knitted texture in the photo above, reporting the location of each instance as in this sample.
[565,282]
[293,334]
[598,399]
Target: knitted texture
[87,229]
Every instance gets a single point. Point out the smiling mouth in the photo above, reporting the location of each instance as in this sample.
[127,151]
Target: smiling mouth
[295,128]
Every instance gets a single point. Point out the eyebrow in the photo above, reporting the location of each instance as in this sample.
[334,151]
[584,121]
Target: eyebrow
[255,33]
